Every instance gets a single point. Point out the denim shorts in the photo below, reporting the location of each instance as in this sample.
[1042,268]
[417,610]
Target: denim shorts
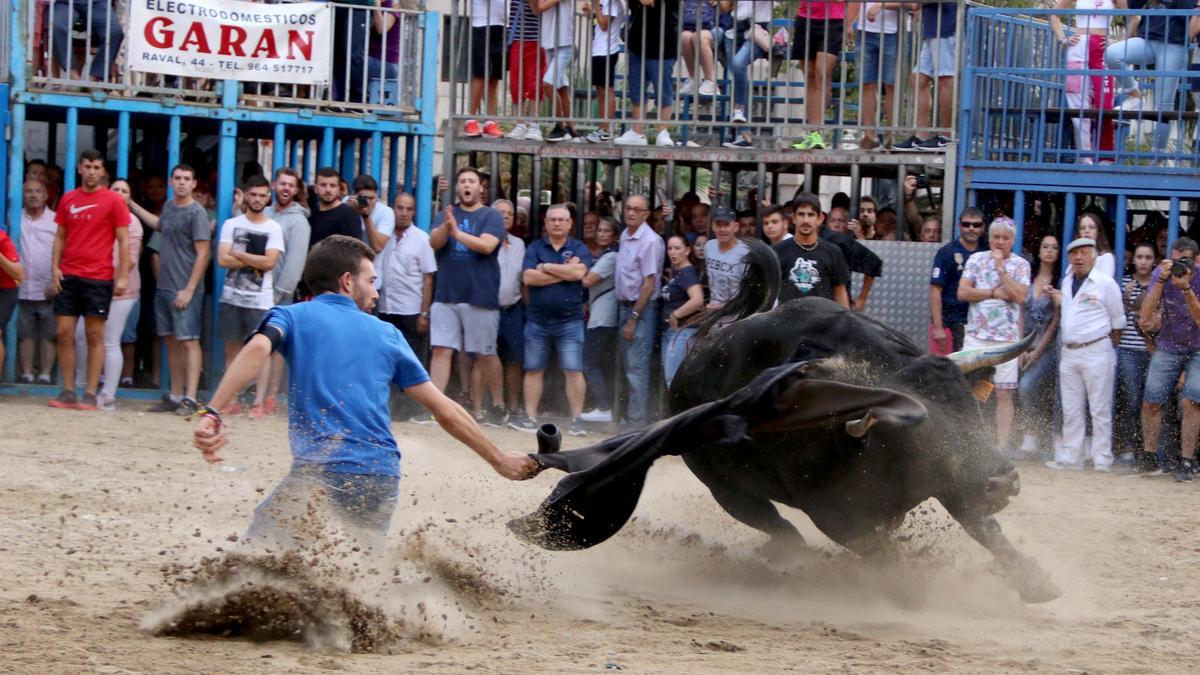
[1165,368]
[879,51]
[645,72]
[558,67]
[567,338]
[183,324]
[937,57]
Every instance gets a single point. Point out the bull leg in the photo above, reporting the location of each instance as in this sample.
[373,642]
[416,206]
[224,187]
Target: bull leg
[1024,573]
[762,515]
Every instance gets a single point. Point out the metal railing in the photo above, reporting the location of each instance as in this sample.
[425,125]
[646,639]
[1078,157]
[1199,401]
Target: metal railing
[763,70]
[1038,89]
[79,46]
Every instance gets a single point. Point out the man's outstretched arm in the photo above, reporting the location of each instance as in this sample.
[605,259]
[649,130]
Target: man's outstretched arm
[458,423]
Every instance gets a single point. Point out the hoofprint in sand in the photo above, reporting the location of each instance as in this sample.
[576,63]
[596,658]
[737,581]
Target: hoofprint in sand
[114,528]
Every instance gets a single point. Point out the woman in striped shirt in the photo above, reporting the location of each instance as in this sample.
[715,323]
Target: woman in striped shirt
[1133,352]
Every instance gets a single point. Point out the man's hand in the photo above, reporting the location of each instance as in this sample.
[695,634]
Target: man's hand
[364,210]
[1184,282]
[854,227]
[1164,268]
[1054,293]
[55,286]
[942,339]
[672,321]
[998,258]
[120,286]
[516,466]
[183,298]
[629,329]
[422,325]
[874,11]
[448,221]
[859,304]
[910,186]
[209,437]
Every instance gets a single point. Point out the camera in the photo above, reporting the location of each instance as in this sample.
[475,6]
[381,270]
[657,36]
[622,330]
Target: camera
[922,181]
[1182,266]
[362,201]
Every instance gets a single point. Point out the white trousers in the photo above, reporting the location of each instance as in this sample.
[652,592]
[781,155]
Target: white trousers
[114,361]
[1085,378]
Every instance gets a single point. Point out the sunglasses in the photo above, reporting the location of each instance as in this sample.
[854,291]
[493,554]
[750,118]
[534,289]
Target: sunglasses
[964,223]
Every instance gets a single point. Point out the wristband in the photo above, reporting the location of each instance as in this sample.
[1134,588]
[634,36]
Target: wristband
[207,411]
[635,314]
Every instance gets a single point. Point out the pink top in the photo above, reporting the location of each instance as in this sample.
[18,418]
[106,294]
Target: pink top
[822,10]
[134,286]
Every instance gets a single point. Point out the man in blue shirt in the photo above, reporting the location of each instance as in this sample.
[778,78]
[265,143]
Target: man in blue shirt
[341,361]
[465,315]
[946,311]
[554,269]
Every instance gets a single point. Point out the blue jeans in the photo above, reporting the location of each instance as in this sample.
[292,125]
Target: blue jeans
[643,72]
[637,354]
[1132,367]
[599,357]
[363,501]
[675,343]
[1038,392]
[747,53]
[1163,373]
[103,26]
[1138,51]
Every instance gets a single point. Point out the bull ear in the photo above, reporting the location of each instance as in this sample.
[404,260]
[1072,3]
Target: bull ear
[804,402]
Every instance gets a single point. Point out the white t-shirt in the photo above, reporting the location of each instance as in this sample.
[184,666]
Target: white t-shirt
[887,21]
[512,261]
[558,26]
[246,286]
[725,269]
[401,269]
[760,11]
[488,13]
[605,42]
[384,218]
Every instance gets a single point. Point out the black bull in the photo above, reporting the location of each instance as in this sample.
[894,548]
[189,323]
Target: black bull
[815,407]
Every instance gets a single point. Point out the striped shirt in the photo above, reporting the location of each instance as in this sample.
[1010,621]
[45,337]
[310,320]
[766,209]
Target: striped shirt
[523,24]
[1130,337]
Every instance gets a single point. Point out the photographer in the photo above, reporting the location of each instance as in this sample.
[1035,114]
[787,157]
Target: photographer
[1174,285]
[378,221]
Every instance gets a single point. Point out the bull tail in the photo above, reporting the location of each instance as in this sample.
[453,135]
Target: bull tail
[758,292]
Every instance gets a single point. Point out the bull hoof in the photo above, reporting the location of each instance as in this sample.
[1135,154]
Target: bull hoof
[1033,584]
[783,549]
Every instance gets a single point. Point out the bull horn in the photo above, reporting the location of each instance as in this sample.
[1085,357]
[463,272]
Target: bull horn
[859,427]
[969,361]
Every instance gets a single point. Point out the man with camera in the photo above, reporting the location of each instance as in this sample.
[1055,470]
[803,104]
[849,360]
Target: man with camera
[1092,319]
[1175,285]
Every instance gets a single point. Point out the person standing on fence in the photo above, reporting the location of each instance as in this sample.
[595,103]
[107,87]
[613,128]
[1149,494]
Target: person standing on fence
[35,318]
[100,22]
[937,66]
[1092,319]
[607,46]
[558,42]
[879,25]
[526,65]
[83,278]
[995,283]
[818,33]
[487,64]
[1085,51]
[652,46]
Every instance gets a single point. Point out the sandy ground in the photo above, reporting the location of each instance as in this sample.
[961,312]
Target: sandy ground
[96,506]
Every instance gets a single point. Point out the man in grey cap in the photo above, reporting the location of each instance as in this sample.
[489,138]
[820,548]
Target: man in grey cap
[1093,316]
[723,258]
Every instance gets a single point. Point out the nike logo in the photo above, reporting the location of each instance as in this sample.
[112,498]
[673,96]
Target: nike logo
[80,209]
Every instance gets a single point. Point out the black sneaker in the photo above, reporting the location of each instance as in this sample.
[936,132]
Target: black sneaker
[523,423]
[496,417]
[935,144]
[1145,462]
[25,379]
[187,407]
[66,400]
[912,143]
[166,405]
[558,134]
[740,143]
[1184,470]
[577,428]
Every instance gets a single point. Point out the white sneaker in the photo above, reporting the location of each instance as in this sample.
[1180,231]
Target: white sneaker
[709,88]
[689,144]
[105,402]
[1102,468]
[597,415]
[517,133]
[739,115]
[687,87]
[533,133]
[1061,467]
[630,137]
[664,139]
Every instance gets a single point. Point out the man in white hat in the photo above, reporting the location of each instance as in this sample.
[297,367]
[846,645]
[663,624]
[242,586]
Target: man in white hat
[1092,319]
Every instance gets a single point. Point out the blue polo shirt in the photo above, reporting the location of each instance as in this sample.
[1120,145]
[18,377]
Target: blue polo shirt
[557,302]
[341,361]
[947,272]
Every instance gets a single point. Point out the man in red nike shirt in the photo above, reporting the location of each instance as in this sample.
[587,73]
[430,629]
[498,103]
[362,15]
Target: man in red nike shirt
[83,279]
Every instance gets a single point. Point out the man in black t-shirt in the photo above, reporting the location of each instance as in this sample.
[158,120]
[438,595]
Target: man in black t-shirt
[331,216]
[811,266]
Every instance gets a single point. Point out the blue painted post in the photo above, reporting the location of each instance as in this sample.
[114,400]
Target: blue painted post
[16,179]
[1173,222]
[375,168]
[425,187]
[348,163]
[393,169]
[71,163]
[226,171]
[410,161]
[293,153]
[327,147]
[174,134]
[1019,218]
[1068,227]
[278,148]
[123,143]
[1119,227]
[309,150]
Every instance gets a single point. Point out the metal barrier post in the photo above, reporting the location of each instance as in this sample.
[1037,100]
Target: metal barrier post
[394,185]
[278,148]
[375,167]
[71,167]
[123,144]
[1120,225]
[410,162]
[327,148]
[1018,219]
[226,173]
[424,214]
[1172,222]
